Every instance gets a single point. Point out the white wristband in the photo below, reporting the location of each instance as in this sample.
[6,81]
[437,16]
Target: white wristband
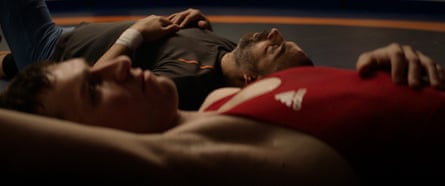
[130,38]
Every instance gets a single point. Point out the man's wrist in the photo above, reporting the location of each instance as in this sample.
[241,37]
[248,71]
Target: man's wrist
[130,38]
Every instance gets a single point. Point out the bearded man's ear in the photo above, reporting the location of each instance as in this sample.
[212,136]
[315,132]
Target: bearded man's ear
[249,78]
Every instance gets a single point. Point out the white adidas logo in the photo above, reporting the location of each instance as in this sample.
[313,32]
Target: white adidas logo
[292,99]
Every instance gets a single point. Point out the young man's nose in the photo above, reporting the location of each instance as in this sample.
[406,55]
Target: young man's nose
[118,68]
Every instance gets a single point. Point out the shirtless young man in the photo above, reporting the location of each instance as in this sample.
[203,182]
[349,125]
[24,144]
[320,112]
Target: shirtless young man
[301,126]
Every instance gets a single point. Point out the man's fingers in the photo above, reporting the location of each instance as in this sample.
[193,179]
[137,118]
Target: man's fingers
[176,18]
[166,21]
[365,64]
[414,67]
[370,61]
[407,65]
[204,24]
[172,27]
[398,63]
[185,21]
[431,70]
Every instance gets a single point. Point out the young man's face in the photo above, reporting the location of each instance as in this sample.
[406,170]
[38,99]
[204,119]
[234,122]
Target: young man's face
[113,95]
[270,52]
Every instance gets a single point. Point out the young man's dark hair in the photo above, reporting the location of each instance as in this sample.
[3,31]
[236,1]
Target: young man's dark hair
[23,91]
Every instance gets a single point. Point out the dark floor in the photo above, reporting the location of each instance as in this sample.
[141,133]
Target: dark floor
[327,43]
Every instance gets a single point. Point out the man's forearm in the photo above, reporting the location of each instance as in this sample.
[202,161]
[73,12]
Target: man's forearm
[129,40]
[115,51]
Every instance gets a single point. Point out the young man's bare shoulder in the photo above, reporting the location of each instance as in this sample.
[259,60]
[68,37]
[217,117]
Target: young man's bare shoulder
[256,149]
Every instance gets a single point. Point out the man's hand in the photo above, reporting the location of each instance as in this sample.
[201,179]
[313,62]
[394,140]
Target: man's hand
[150,28]
[190,17]
[154,27]
[407,65]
